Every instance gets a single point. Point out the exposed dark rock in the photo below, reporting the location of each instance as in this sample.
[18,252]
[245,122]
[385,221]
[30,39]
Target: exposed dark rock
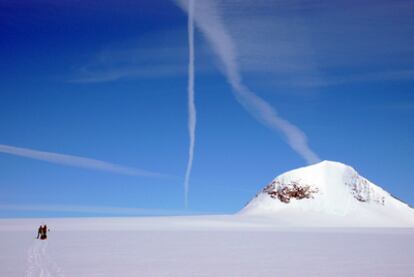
[362,191]
[285,192]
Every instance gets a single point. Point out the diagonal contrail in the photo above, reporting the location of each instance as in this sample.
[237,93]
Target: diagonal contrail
[191,104]
[208,20]
[75,161]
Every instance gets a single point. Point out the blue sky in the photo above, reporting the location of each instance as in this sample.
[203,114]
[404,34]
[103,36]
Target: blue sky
[102,88]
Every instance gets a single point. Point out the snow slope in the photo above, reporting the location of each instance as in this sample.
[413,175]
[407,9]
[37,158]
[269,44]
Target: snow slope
[329,194]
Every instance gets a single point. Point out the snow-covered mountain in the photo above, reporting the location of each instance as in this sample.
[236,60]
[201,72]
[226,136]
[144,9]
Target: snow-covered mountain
[329,193]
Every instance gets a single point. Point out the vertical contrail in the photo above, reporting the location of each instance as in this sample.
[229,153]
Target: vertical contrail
[210,23]
[191,104]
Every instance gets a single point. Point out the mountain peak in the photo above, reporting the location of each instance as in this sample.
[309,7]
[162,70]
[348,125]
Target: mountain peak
[329,164]
[327,187]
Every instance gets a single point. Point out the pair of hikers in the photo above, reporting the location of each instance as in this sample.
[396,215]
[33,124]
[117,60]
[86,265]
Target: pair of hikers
[42,232]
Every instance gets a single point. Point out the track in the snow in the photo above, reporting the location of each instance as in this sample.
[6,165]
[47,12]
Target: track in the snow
[39,263]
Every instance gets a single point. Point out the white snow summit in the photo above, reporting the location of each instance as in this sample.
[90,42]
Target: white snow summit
[329,193]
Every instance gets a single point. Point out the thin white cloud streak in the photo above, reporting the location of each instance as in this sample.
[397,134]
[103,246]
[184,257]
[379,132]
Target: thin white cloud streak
[192,116]
[358,78]
[75,161]
[86,209]
[126,72]
[145,57]
[209,21]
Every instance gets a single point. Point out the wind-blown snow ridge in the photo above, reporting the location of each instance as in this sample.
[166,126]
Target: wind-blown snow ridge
[329,189]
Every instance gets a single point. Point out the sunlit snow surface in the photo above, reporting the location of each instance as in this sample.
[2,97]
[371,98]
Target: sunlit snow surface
[347,226]
[342,197]
[201,246]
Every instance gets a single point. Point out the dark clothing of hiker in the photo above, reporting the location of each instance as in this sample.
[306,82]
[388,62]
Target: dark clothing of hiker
[42,232]
[39,232]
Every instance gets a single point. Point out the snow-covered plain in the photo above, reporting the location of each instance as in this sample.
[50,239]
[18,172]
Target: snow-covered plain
[200,246]
[320,220]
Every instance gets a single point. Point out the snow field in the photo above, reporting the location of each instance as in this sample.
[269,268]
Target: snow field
[219,247]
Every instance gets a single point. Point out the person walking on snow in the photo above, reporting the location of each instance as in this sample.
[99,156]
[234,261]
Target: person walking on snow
[39,231]
[44,232]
